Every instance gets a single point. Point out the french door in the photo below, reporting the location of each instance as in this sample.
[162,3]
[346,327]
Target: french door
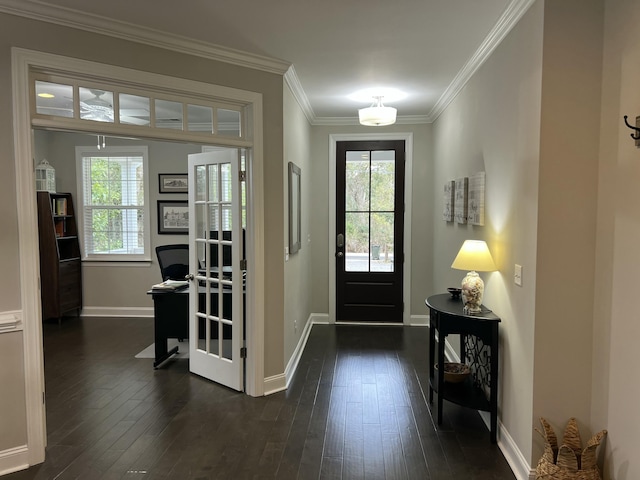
[369,230]
[216,241]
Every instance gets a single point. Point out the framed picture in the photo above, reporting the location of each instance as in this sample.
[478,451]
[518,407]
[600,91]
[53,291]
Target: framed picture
[173,183]
[460,200]
[295,241]
[449,192]
[173,217]
[475,208]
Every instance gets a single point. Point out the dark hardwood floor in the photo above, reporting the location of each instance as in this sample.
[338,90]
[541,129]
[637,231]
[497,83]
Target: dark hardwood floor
[355,409]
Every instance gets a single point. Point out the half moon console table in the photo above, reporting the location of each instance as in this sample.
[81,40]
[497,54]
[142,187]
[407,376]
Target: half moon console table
[479,349]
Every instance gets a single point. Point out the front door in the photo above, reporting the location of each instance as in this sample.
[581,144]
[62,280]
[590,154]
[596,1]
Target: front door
[369,227]
[216,306]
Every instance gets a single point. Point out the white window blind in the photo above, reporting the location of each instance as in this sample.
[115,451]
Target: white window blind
[113,185]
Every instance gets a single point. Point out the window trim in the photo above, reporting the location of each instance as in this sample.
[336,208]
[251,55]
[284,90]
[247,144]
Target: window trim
[133,150]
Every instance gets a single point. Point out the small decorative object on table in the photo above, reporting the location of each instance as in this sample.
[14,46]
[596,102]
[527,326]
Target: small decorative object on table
[569,461]
[455,372]
[455,292]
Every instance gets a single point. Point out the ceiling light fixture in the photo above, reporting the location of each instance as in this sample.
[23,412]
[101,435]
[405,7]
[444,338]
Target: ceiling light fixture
[377,114]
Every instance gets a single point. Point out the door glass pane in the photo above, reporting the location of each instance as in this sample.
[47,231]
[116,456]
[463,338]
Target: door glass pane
[213,183]
[96,104]
[226,182]
[199,118]
[134,110]
[382,242]
[201,183]
[226,341]
[357,182]
[382,180]
[54,99]
[357,242]
[229,122]
[214,335]
[168,114]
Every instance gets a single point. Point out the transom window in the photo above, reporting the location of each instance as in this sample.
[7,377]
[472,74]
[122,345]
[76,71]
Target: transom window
[114,207]
[72,100]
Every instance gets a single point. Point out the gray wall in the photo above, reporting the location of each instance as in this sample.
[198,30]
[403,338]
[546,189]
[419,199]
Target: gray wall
[530,118]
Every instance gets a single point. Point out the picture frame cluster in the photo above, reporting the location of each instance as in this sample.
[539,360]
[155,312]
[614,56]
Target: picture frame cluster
[463,200]
[173,215]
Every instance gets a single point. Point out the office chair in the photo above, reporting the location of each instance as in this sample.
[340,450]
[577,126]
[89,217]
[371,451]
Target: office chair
[173,261]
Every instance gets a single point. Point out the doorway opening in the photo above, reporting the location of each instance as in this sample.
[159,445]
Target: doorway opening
[383,256]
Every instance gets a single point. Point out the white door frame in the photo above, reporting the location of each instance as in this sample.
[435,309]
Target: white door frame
[21,62]
[406,283]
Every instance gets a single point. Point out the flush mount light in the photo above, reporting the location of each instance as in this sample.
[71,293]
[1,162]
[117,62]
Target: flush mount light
[377,114]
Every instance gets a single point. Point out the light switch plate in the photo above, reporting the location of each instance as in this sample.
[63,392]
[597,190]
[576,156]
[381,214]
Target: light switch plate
[517,275]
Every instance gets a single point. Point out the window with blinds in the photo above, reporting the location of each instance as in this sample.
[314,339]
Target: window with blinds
[113,207]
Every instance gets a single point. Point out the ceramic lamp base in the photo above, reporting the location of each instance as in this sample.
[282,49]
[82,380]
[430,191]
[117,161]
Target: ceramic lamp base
[472,292]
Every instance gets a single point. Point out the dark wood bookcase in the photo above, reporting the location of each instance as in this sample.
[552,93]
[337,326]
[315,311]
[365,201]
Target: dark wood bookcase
[60,268]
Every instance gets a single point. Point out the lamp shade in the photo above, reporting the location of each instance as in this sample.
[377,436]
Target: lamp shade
[474,255]
[377,116]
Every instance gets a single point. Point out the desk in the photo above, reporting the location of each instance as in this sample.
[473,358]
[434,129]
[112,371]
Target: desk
[171,317]
[170,320]
[479,348]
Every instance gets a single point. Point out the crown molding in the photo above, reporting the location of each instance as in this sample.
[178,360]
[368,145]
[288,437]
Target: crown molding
[66,17]
[511,16]
[298,93]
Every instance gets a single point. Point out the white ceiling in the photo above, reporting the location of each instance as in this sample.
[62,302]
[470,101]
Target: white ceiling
[424,48]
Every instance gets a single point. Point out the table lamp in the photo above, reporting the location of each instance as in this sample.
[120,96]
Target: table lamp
[473,256]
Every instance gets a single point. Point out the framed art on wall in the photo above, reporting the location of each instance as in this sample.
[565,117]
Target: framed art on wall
[460,202]
[295,241]
[173,183]
[173,217]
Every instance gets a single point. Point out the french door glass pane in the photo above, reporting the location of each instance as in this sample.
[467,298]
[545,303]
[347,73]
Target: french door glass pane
[382,242]
[213,183]
[382,181]
[357,182]
[201,183]
[357,242]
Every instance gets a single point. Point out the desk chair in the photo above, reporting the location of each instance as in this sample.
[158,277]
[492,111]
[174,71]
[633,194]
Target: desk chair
[173,261]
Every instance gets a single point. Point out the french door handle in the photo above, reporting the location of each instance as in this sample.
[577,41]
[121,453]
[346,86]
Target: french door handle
[189,276]
[339,254]
[340,240]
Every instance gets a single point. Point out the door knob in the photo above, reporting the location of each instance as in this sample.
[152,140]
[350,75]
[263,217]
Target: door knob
[339,254]
[189,276]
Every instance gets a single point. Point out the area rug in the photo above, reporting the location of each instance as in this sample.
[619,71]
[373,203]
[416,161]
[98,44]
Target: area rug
[183,349]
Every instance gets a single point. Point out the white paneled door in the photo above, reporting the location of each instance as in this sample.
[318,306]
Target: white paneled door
[216,240]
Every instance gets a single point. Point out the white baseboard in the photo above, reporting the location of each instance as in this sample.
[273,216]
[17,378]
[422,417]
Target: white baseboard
[146,312]
[513,455]
[419,320]
[14,460]
[281,381]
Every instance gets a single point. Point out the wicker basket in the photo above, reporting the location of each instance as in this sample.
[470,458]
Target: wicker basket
[569,461]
